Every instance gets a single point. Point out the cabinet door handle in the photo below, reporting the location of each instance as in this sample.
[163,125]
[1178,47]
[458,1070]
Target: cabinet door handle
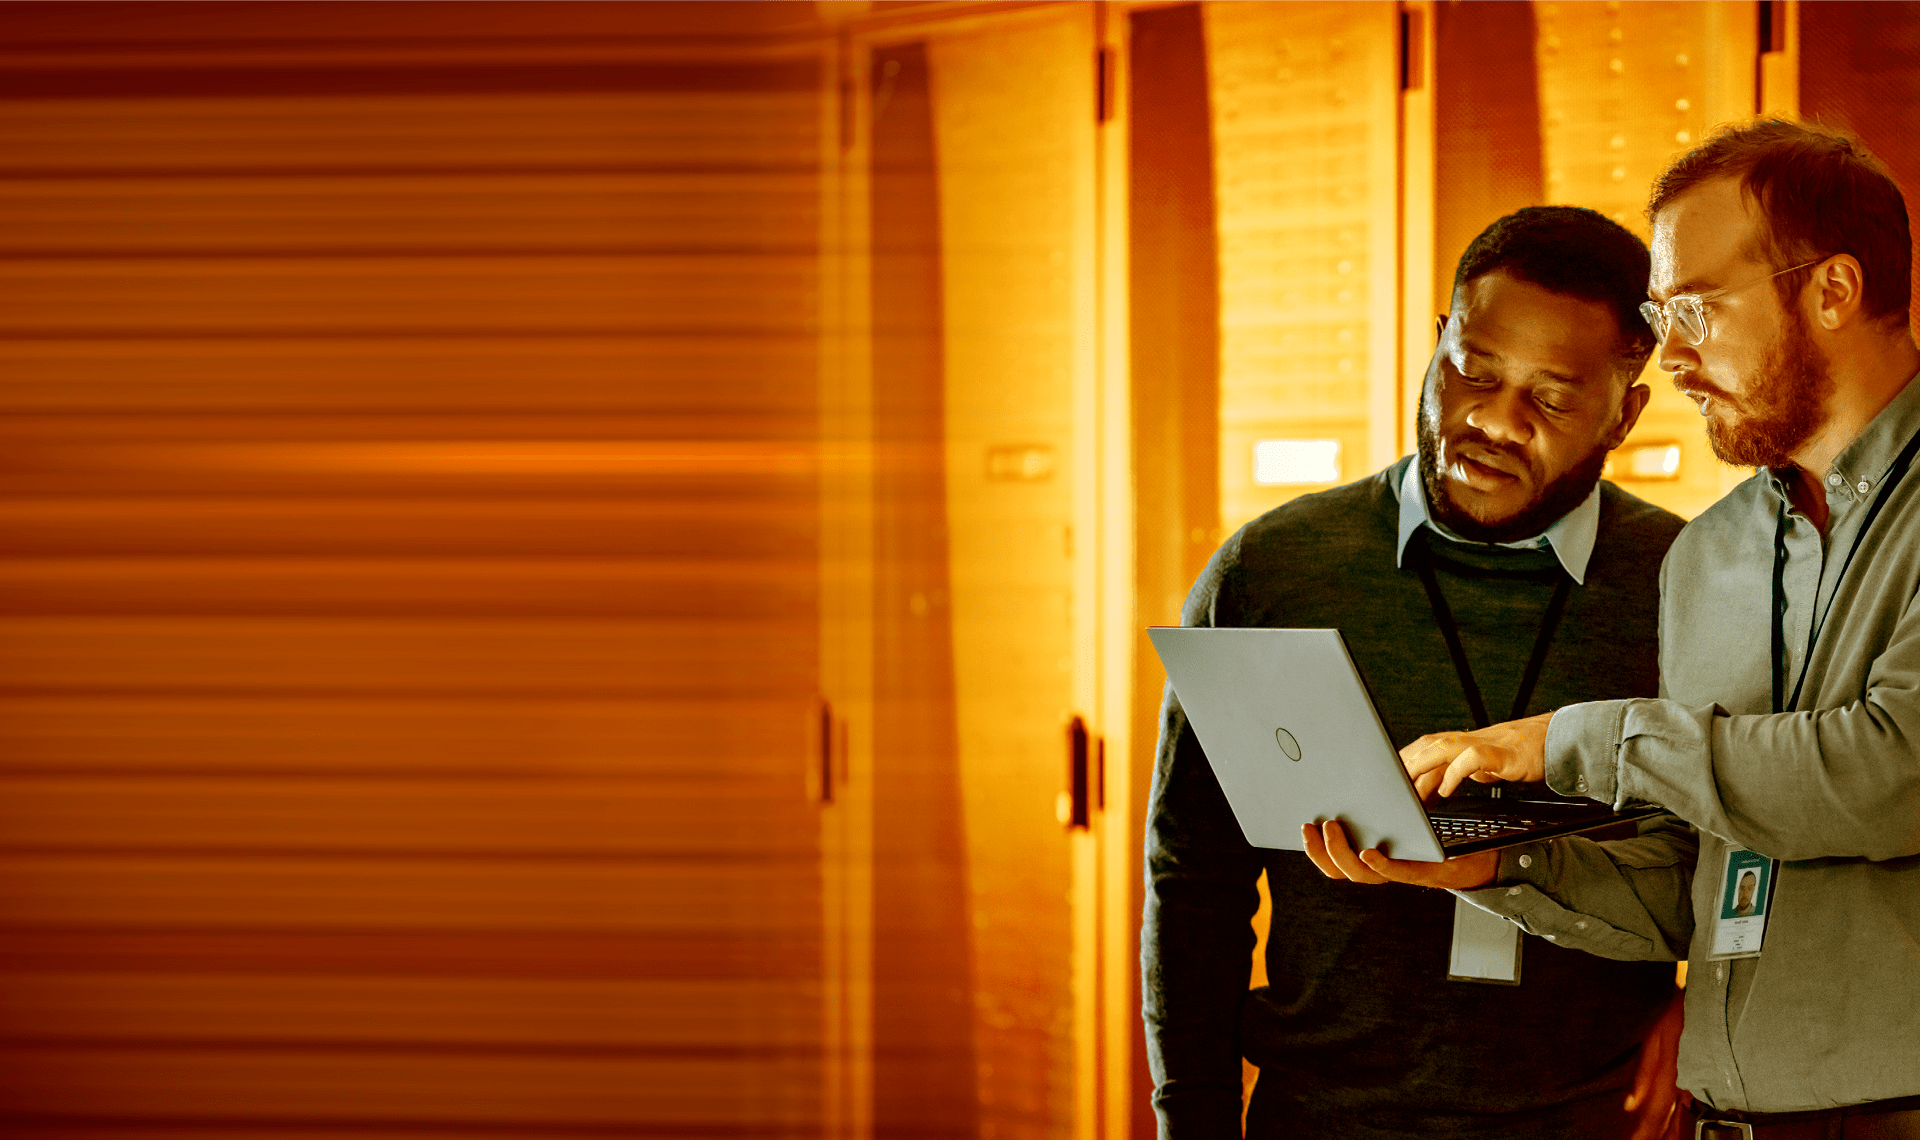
[1100,773]
[826,751]
[1079,775]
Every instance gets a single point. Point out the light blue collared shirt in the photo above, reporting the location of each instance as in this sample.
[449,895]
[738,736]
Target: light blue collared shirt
[1571,537]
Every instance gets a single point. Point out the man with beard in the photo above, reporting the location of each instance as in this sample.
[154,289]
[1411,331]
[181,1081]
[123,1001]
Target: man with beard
[1496,573]
[1789,660]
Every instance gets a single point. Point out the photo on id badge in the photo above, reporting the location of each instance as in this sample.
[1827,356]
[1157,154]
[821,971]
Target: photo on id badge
[1741,922]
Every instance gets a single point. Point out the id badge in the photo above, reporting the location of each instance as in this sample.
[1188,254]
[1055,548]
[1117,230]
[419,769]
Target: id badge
[1746,893]
[1486,947]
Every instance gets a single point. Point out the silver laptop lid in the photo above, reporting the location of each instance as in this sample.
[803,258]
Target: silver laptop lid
[1293,736]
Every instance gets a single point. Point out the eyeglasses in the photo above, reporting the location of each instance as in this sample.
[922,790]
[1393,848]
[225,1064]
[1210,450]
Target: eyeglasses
[1689,310]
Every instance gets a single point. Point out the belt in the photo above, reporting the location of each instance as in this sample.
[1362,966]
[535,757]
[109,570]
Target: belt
[1897,1119]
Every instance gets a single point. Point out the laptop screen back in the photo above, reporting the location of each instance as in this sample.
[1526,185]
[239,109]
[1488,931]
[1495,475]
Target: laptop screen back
[1292,735]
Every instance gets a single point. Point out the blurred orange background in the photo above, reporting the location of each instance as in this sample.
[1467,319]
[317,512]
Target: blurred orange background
[574,570]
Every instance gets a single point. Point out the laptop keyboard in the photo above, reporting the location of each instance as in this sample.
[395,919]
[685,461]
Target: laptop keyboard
[1463,829]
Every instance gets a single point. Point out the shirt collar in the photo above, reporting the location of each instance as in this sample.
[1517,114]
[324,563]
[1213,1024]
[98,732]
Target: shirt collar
[1858,470]
[1571,537]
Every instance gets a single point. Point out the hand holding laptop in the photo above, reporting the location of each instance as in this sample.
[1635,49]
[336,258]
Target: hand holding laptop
[1437,763]
[1330,851]
[1513,750]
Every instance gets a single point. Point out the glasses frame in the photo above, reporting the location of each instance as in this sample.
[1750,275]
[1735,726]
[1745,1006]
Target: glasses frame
[1689,310]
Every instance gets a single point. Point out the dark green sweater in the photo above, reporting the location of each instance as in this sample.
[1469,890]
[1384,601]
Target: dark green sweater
[1358,1033]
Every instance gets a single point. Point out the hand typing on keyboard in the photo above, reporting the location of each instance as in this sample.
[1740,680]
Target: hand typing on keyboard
[1512,750]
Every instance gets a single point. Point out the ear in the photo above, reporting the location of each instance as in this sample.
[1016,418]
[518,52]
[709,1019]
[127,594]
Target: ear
[1440,327]
[1631,405]
[1430,383]
[1839,286]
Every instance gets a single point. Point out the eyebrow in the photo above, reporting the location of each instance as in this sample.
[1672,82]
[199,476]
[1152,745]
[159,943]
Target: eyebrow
[1469,350]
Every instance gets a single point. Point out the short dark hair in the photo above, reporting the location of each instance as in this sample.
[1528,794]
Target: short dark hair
[1820,194]
[1575,251]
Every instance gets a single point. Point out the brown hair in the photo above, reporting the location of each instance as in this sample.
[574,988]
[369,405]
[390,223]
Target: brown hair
[1821,194]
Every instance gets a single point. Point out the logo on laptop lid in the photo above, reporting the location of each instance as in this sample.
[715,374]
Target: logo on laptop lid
[1288,744]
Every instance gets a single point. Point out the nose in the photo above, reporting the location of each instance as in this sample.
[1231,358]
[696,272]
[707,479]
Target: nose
[1675,353]
[1503,416]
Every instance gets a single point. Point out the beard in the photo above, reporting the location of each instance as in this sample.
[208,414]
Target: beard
[1558,497]
[1786,406]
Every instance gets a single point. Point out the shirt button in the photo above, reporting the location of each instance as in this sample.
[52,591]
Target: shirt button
[1833,479]
[1581,925]
[1580,785]
[1863,486]
[1513,890]
[1553,938]
[1526,860]
[1719,971]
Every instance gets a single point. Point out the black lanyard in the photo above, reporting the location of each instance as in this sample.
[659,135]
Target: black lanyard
[1894,474]
[1443,617]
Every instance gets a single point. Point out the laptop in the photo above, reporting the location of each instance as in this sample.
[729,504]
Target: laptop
[1294,737]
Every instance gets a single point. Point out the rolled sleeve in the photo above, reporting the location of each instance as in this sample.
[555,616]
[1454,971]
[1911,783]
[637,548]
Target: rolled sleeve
[1583,750]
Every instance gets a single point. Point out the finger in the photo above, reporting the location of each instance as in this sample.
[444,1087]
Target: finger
[1464,872]
[1464,765]
[1317,851]
[1341,852]
[1407,871]
[1392,870]
[1431,751]
[1428,766]
[1420,742]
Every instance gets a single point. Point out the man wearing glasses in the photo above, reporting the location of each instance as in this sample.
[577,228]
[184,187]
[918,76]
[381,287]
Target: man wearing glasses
[1789,732]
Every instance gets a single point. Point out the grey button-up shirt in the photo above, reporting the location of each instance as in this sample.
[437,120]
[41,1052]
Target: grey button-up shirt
[1829,1014]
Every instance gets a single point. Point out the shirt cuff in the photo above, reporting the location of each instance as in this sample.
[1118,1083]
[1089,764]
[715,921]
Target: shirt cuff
[1521,878]
[1583,750]
[1519,895]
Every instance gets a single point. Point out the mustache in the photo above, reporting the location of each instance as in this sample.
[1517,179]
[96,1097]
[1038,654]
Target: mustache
[1691,385]
[1478,440]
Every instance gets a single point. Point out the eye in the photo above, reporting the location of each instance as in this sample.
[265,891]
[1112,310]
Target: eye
[1472,381]
[1554,403]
